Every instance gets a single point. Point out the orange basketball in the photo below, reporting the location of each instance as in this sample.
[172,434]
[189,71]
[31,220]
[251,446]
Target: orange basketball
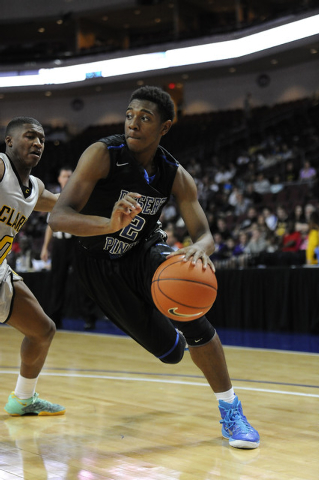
[183,291]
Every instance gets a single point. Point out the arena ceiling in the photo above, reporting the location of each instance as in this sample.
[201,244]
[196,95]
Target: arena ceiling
[33,33]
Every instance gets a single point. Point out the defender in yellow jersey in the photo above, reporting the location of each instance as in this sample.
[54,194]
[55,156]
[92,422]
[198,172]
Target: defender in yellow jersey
[20,194]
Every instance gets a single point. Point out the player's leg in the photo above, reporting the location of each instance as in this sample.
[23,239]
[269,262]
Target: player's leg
[208,355]
[38,329]
[117,287]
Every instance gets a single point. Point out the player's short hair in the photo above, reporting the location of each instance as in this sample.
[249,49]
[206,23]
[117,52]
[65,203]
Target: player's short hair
[18,122]
[156,95]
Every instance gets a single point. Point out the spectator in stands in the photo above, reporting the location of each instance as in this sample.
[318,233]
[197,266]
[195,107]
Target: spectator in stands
[222,228]
[262,184]
[250,219]
[194,167]
[172,239]
[243,239]
[220,247]
[262,225]
[309,208]
[298,214]
[207,191]
[285,153]
[312,251]
[307,172]
[272,242]
[232,198]
[270,218]
[242,159]
[169,213]
[251,194]
[257,243]
[250,175]
[225,174]
[291,173]
[276,185]
[299,219]
[23,261]
[282,221]
[228,253]
[291,239]
[242,204]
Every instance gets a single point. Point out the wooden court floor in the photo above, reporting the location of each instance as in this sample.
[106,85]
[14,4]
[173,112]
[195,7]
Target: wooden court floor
[131,417]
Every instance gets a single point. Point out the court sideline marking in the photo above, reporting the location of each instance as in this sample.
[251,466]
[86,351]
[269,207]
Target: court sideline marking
[157,380]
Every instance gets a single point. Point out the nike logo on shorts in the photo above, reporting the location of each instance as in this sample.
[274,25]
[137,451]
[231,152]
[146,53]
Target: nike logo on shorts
[173,311]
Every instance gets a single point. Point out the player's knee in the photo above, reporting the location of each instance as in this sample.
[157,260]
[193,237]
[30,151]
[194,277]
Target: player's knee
[175,354]
[197,332]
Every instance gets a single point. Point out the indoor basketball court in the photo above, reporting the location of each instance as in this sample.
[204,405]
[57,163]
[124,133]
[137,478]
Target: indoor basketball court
[128,416]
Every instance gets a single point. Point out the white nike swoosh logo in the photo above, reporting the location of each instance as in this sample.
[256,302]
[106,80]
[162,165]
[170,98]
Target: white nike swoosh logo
[173,311]
[121,164]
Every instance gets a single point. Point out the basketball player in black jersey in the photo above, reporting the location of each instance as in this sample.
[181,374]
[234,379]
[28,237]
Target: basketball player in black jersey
[112,203]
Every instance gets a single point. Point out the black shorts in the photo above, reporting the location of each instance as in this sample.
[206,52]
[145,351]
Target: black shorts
[122,290]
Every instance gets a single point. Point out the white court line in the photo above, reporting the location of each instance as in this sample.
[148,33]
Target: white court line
[156,380]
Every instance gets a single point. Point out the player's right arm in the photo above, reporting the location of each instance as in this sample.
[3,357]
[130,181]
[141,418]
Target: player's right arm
[93,165]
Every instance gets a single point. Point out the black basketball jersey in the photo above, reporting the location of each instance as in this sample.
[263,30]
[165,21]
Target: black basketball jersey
[127,175]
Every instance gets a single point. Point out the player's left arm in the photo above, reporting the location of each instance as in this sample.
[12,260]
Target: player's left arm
[185,192]
[46,199]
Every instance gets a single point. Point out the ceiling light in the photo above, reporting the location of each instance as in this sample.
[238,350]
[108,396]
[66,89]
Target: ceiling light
[232,70]
[41,29]
[313,50]
[48,93]
[274,61]
[173,58]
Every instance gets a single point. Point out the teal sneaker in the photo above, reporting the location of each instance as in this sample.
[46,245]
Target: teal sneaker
[236,427]
[32,406]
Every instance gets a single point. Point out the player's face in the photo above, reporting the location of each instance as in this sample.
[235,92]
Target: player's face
[26,144]
[144,127]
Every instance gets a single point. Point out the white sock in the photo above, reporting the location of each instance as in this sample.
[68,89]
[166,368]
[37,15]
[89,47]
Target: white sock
[228,396]
[25,387]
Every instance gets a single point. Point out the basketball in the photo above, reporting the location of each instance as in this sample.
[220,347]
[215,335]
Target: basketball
[183,291]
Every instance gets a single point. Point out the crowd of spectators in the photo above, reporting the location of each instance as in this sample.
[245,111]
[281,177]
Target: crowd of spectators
[258,196]
[258,203]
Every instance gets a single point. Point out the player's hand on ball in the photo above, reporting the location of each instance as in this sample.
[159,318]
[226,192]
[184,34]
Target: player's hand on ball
[192,254]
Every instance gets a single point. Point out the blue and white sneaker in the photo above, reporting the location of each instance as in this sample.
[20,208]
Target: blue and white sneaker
[236,426]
